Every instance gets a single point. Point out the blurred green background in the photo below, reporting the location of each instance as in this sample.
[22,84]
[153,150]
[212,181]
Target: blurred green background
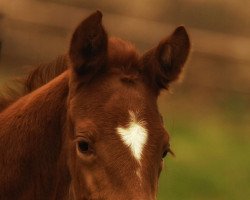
[207,114]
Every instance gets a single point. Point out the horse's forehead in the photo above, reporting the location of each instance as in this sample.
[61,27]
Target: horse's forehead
[136,136]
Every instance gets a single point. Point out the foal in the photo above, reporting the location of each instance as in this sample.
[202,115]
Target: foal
[94,131]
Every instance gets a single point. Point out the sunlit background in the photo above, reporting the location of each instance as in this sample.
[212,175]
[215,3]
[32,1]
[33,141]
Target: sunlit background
[207,114]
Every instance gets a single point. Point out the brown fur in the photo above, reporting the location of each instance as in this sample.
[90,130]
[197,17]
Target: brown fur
[30,140]
[61,109]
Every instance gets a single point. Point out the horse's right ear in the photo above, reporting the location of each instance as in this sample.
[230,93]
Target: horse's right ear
[163,64]
[88,48]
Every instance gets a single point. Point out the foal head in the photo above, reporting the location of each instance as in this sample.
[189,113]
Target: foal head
[116,139]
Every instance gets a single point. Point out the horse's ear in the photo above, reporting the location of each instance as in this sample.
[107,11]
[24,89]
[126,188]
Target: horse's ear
[88,48]
[163,64]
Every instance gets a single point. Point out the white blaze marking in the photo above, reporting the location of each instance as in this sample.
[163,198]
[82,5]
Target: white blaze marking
[134,136]
[138,173]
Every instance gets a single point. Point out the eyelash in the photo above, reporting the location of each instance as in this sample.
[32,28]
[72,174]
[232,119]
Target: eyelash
[166,152]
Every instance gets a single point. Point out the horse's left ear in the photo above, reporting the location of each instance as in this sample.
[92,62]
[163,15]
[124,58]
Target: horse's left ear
[88,48]
[163,64]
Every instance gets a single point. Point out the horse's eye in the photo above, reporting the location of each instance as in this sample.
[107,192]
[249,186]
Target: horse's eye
[83,147]
[165,153]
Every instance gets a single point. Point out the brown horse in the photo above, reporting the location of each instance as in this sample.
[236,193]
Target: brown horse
[91,129]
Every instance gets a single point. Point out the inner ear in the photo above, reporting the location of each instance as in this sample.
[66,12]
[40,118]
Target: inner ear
[88,48]
[163,64]
[173,53]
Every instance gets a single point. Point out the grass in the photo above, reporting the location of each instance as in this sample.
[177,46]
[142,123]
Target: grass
[211,163]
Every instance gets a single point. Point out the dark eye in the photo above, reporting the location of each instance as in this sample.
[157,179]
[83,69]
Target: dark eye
[165,153]
[83,146]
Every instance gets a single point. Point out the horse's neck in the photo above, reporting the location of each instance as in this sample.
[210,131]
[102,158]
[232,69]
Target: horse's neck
[30,142]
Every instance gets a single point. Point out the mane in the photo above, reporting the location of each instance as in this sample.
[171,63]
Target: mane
[122,54]
[37,77]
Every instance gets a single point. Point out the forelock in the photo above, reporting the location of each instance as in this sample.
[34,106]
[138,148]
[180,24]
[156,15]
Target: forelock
[122,54]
